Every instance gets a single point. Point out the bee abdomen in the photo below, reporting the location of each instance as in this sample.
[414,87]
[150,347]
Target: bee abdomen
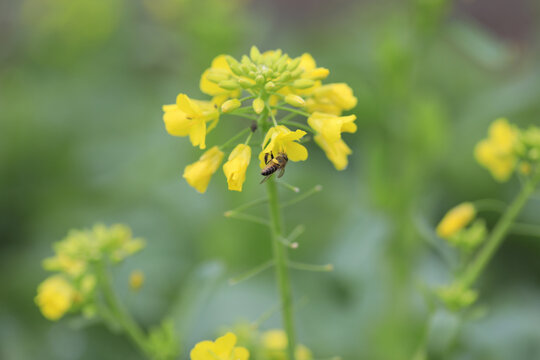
[269,169]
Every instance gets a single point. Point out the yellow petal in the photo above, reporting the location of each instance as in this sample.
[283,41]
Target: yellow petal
[176,122]
[197,134]
[184,104]
[296,152]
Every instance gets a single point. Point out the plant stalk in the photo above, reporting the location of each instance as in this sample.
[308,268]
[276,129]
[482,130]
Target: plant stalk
[281,261]
[121,315]
[504,225]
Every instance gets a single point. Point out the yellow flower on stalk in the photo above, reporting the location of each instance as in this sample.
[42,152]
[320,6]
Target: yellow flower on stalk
[55,295]
[235,168]
[329,128]
[497,152]
[311,71]
[275,342]
[218,71]
[281,139]
[456,219]
[189,117]
[199,173]
[331,99]
[136,280]
[222,349]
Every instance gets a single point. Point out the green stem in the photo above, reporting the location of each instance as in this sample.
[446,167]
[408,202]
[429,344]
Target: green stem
[282,271]
[299,112]
[120,314]
[498,234]
[298,125]
[234,138]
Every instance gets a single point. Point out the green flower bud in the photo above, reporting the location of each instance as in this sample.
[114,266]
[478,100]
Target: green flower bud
[294,100]
[255,54]
[259,79]
[229,85]
[286,76]
[296,73]
[269,86]
[303,83]
[258,105]
[216,76]
[230,105]
[234,65]
[281,67]
[293,64]
[246,83]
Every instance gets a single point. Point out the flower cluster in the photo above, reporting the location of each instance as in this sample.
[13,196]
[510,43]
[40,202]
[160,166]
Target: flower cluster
[508,148]
[454,227]
[268,345]
[73,285]
[268,88]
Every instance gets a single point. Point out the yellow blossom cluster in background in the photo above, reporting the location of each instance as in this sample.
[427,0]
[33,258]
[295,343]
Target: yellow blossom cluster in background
[266,345]
[269,88]
[508,148]
[72,287]
[454,227]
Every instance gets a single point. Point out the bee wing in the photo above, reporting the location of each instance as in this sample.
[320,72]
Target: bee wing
[266,178]
[281,172]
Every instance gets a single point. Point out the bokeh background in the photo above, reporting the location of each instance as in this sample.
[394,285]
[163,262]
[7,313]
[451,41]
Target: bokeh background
[82,141]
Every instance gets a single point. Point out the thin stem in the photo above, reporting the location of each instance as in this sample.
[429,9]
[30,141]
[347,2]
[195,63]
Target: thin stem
[497,236]
[311,267]
[121,315]
[298,125]
[299,112]
[246,205]
[243,116]
[288,186]
[248,138]
[251,273]
[282,271]
[246,217]
[303,196]
[234,138]
[525,229]
[271,113]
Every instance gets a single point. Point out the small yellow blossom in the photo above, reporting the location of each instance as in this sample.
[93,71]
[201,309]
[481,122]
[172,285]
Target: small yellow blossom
[189,117]
[275,342]
[222,349]
[199,173]
[230,105]
[55,295]
[136,280]
[329,128]
[235,168]
[456,219]
[219,71]
[258,105]
[281,139]
[497,152]
[331,99]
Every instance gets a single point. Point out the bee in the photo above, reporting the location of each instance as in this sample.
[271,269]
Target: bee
[274,164]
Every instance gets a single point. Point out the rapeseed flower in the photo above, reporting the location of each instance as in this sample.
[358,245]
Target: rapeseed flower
[189,117]
[261,86]
[497,153]
[235,168]
[199,173]
[328,130]
[55,296]
[274,342]
[456,219]
[222,349]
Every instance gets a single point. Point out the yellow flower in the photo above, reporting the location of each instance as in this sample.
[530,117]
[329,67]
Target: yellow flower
[497,152]
[222,349]
[329,128]
[189,117]
[136,280]
[54,297]
[199,173]
[280,139]
[456,219]
[218,71]
[331,99]
[235,168]
[311,71]
[275,341]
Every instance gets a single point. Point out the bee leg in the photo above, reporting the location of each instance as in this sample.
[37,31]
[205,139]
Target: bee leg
[266,178]
[266,155]
[281,172]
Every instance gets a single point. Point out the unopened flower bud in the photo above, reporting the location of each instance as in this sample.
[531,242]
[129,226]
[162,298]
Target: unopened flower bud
[217,77]
[259,79]
[230,105]
[296,73]
[269,86]
[229,85]
[293,64]
[258,105]
[303,83]
[234,65]
[246,83]
[319,73]
[255,54]
[294,100]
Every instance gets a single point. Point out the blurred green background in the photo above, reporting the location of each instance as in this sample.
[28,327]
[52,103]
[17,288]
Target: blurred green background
[82,141]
